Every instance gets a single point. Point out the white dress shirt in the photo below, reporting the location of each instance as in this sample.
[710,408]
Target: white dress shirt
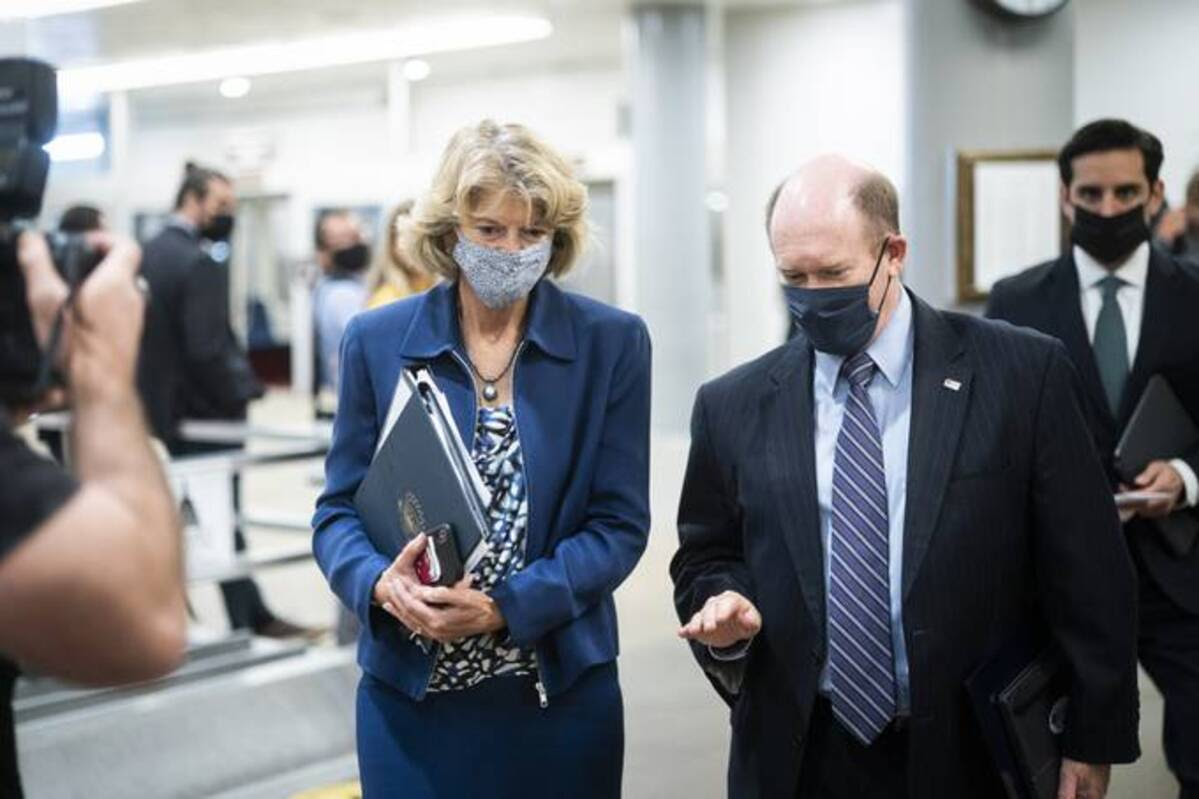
[1131,299]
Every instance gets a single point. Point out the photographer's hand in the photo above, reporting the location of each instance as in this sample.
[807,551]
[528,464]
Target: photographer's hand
[105,328]
[45,291]
[102,331]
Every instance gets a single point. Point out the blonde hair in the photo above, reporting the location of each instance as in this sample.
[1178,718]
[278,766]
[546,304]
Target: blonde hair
[389,266]
[487,158]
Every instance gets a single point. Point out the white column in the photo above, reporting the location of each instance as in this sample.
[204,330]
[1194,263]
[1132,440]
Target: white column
[672,244]
[399,111]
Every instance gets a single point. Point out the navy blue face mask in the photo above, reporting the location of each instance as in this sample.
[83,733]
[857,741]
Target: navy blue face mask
[839,320]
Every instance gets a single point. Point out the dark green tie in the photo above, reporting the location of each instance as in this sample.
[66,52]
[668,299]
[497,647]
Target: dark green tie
[1111,343]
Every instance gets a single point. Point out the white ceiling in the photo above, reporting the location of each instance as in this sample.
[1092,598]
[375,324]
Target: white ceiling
[587,33]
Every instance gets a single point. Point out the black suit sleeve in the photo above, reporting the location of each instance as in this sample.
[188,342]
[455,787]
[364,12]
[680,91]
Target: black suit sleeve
[1086,578]
[220,373]
[994,309]
[710,559]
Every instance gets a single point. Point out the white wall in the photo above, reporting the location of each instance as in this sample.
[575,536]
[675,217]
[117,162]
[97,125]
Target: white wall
[334,148]
[800,82]
[1137,60]
[976,81]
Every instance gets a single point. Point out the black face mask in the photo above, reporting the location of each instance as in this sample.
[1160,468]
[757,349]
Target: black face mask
[838,320]
[219,228]
[351,259]
[1109,239]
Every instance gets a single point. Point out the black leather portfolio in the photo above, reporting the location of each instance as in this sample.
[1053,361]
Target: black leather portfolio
[1020,699]
[422,477]
[1160,429]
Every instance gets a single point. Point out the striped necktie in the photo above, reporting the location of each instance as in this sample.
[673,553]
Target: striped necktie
[861,660]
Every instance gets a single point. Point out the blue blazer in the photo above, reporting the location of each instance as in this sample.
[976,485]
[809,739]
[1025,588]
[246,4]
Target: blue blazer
[582,397]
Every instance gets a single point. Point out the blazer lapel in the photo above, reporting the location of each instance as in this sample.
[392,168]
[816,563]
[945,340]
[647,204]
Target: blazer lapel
[1065,323]
[1155,334]
[938,412]
[791,459]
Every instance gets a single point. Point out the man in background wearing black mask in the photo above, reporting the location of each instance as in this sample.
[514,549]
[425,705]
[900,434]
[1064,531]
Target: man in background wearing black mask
[191,364]
[1126,312]
[341,291]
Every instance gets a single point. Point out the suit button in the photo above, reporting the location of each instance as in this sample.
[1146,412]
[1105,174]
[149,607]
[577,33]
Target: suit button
[797,740]
[815,657]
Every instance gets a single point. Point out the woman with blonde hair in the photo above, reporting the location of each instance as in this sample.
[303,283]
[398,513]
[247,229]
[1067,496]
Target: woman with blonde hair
[391,276]
[504,685]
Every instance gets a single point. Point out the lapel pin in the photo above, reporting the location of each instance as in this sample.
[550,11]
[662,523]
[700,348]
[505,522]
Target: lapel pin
[952,385]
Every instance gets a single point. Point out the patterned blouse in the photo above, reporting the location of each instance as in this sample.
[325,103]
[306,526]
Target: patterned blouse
[497,455]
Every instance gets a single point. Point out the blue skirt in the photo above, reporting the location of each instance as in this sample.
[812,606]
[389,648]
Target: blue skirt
[493,740]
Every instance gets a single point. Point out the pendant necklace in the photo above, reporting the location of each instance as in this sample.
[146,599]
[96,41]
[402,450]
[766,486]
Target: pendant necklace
[489,392]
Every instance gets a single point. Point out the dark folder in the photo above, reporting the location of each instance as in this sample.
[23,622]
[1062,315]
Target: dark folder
[1160,429]
[1020,699]
[421,477]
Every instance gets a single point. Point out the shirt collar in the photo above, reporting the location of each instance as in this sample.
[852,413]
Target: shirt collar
[1134,271]
[434,328]
[891,351]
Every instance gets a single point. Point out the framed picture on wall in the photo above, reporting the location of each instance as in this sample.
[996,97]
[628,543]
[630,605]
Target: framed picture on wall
[1008,216]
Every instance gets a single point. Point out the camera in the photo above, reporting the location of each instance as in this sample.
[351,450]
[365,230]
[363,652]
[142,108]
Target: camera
[28,119]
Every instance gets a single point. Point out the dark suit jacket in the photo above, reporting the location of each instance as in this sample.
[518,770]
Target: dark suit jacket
[1009,526]
[1046,298]
[190,363]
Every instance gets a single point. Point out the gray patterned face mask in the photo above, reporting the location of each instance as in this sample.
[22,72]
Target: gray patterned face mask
[499,277]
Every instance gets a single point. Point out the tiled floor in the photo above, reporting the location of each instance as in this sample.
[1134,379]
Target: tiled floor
[677,728]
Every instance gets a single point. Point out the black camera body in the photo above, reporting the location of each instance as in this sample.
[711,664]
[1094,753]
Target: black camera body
[28,119]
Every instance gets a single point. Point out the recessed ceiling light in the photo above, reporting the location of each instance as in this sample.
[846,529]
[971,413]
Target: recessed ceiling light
[235,88]
[416,69]
[28,9]
[419,38]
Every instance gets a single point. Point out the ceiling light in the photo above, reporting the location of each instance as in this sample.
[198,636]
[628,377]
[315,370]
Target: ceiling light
[28,9]
[419,38]
[416,69]
[235,88]
[76,147]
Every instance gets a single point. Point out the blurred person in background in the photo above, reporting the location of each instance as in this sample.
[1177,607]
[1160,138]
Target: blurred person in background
[517,668]
[1178,228]
[191,365]
[392,276]
[91,580]
[340,291]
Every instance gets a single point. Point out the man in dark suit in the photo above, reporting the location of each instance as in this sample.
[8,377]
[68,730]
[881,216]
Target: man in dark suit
[191,365]
[1126,311]
[874,509]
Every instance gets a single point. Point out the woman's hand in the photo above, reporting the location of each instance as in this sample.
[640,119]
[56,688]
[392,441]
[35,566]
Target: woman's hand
[450,614]
[443,614]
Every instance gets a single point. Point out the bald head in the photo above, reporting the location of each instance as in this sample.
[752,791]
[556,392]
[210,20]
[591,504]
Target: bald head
[834,223]
[831,190]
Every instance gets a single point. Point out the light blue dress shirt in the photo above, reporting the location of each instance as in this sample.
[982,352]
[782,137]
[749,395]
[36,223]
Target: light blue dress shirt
[334,302]
[891,395]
